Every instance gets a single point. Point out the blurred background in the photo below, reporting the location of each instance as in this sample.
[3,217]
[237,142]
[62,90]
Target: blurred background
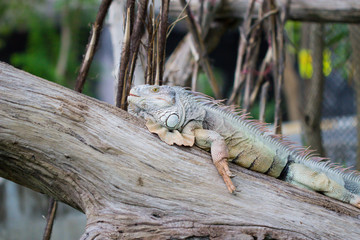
[48,38]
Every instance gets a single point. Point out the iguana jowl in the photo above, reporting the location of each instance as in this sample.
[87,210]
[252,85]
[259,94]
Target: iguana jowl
[186,118]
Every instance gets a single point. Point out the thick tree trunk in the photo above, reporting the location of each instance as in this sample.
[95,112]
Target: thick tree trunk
[100,160]
[314,90]
[300,10]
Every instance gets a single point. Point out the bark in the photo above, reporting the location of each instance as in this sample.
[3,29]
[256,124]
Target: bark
[291,89]
[346,11]
[314,92]
[100,160]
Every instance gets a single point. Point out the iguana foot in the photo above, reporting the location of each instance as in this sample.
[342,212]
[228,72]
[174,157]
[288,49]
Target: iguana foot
[223,168]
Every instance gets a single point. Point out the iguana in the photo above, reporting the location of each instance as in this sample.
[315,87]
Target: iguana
[182,117]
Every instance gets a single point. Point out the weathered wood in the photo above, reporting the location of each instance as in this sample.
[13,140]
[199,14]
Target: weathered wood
[100,160]
[347,11]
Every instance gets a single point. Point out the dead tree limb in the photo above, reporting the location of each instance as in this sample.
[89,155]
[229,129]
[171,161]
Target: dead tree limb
[200,48]
[93,42]
[101,161]
[345,11]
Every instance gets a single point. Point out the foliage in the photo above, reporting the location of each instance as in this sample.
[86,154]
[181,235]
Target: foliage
[43,22]
[269,111]
[39,57]
[203,84]
[305,63]
[336,54]
[337,39]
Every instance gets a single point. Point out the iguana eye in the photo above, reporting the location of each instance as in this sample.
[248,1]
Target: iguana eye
[155,89]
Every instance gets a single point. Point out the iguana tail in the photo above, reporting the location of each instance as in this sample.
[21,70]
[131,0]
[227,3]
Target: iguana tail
[322,176]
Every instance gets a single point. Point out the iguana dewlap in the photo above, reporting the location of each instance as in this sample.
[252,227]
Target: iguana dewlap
[183,117]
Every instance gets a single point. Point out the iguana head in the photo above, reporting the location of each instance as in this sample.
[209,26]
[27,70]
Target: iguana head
[159,103]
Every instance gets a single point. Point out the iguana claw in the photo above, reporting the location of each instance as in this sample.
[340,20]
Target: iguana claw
[223,168]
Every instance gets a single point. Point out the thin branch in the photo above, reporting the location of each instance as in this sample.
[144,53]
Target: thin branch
[238,78]
[134,47]
[279,58]
[125,54]
[253,50]
[201,14]
[266,15]
[65,43]
[173,24]
[130,5]
[150,46]
[155,22]
[263,97]
[163,27]
[195,76]
[264,70]
[91,47]
[200,48]
[50,218]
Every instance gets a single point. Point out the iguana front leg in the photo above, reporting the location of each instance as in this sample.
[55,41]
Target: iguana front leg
[219,153]
[208,139]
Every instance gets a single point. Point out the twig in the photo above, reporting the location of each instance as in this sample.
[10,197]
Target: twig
[150,46]
[265,63]
[154,63]
[91,47]
[172,25]
[210,10]
[134,47]
[130,5]
[65,43]
[238,78]
[201,14]
[125,54]
[263,97]
[266,15]
[130,52]
[194,76]
[163,27]
[279,57]
[50,218]
[200,48]
[253,52]
[178,19]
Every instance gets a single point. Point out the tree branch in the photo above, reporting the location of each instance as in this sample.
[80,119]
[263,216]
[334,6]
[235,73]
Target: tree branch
[345,11]
[91,47]
[100,160]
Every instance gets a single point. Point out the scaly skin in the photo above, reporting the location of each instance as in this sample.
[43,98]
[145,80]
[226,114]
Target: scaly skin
[185,118]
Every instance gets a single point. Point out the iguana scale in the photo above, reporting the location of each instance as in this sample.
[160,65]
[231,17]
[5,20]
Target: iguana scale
[182,117]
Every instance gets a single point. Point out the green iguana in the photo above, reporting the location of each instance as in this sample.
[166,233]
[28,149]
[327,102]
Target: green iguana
[182,117]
